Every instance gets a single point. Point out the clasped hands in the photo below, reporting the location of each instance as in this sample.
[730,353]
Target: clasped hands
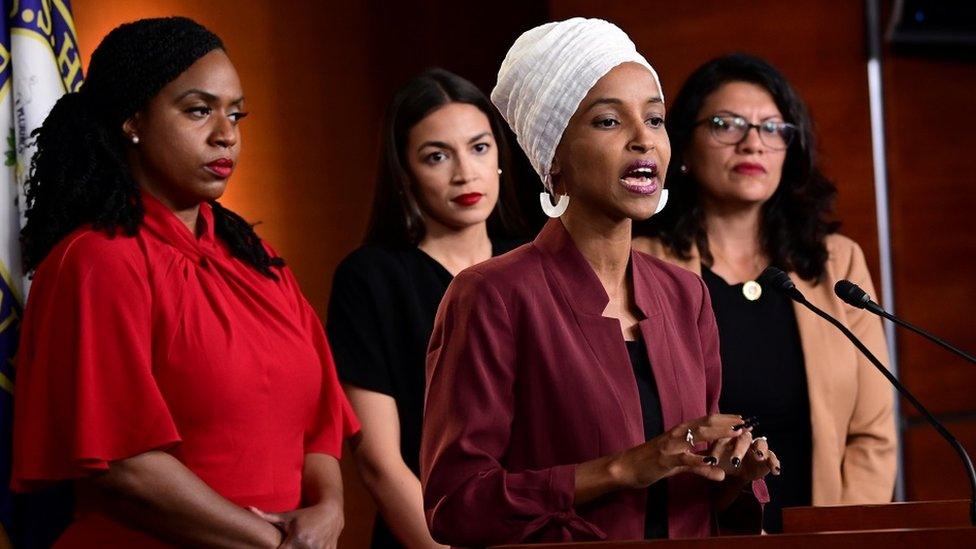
[312,527]
[717,447]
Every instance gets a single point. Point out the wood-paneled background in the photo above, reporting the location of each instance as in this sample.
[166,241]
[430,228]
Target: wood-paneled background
[317,76]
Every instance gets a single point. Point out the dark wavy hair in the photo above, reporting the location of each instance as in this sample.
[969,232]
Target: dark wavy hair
[79,174]
[396,218]
[795,220]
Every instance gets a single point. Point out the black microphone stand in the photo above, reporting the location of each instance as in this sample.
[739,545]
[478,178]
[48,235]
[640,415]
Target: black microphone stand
[779,280]
[866,303]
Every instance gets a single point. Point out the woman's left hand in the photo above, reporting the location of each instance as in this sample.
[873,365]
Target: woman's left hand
[746,458]
[315,527]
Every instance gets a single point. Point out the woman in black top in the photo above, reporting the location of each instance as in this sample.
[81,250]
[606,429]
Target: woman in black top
[656,516]
[761,355]
[442,172]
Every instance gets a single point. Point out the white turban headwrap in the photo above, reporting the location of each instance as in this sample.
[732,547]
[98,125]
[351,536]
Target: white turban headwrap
[547,73]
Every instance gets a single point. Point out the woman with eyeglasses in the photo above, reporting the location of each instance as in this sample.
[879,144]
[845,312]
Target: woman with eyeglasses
[746,193]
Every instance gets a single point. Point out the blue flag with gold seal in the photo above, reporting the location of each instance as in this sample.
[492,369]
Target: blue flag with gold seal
[39,62]
[8,338]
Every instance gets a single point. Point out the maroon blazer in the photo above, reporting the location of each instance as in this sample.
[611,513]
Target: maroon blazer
[526,378]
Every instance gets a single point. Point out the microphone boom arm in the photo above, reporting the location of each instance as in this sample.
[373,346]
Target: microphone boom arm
[956,445]
[881,312]
[853,295]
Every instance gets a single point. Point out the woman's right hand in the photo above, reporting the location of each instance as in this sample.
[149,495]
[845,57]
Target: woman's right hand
[671,453]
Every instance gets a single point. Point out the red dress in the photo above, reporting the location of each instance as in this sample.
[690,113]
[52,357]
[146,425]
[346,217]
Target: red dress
[163,341]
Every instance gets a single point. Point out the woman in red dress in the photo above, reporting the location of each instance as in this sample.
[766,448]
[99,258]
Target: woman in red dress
[169,365]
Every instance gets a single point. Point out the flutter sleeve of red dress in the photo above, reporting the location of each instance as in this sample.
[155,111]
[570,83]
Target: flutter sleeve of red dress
[334,420]
[85,394]
[470,498]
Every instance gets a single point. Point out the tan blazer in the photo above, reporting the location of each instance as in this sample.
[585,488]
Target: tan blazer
[851,403]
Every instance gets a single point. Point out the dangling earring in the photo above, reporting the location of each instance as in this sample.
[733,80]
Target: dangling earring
[545,200]
[135,139]
[499,171]
[661,201]
[553,210]
[683,169]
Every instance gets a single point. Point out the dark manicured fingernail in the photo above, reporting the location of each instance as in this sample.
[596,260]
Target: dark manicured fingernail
[759,453]
[738,427]
[736,462]
[710,460]
[778,469]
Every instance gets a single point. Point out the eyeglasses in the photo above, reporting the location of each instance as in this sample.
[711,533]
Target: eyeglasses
[732,130]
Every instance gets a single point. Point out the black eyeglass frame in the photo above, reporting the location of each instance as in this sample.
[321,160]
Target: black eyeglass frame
[749,126]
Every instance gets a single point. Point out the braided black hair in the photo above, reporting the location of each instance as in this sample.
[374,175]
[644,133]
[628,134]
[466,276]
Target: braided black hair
[79,174]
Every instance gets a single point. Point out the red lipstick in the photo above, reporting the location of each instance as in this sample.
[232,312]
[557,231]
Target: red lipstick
[749,168]
[467,200]
[222,167]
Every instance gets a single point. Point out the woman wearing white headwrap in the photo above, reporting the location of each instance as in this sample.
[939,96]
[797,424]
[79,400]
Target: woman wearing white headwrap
[573,383]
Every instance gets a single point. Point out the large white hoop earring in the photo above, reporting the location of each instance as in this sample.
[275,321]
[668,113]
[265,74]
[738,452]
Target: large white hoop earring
[553,210]
[662,201]
[546,197]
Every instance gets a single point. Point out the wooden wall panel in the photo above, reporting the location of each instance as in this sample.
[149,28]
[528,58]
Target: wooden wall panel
[933,188]
[933,470]
[929,107]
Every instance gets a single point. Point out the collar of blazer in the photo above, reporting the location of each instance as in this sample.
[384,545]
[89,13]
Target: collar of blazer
[655,248]
[579,282]
[681,398]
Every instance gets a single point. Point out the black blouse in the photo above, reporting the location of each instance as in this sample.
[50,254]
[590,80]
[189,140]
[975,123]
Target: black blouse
[656,518]
[764,375]
[380,317]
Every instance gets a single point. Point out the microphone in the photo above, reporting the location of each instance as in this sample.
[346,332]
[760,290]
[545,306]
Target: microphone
[777,279]
[852,294]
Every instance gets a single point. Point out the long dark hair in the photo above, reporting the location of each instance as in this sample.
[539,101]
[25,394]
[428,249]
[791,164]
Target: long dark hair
[795,220]
[396,218]
[79,174]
